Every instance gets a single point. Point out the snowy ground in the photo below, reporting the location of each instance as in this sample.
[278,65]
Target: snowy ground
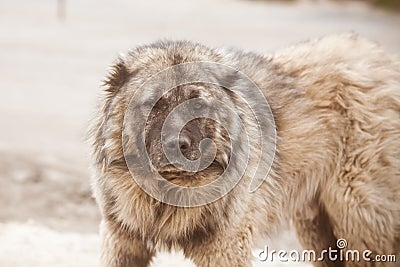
[50,72]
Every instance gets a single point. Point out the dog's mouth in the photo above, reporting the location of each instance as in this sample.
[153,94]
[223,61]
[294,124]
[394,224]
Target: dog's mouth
[176,174]
[172,169]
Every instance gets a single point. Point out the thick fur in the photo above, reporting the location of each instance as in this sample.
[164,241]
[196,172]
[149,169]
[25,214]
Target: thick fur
[336,104]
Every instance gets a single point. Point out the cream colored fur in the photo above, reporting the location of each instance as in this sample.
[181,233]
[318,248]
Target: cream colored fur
[336,104]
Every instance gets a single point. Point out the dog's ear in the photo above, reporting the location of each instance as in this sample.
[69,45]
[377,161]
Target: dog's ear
[116,77]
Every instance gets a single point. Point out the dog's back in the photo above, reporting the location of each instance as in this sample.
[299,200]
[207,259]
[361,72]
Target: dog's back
[351,92]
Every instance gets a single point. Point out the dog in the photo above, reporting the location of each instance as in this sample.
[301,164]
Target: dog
[332,168]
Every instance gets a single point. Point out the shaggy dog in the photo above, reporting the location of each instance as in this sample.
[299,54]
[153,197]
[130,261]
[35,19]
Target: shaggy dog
[336,172]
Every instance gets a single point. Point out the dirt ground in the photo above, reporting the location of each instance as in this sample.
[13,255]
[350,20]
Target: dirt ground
[51,70]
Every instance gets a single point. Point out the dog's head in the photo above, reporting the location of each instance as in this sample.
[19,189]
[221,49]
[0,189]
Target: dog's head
[188,121]
[189,128]
[193,131]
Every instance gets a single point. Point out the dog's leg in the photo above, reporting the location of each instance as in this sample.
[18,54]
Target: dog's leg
[120,250]
[314,231]
[367,220]
[222,251]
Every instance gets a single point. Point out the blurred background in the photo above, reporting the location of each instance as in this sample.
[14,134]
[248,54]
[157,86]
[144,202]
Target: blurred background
[53,56]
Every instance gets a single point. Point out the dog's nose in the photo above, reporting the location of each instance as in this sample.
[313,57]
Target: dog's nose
[183,141]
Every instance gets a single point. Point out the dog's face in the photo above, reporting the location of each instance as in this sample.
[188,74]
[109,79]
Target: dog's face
[197,102]
[166,139]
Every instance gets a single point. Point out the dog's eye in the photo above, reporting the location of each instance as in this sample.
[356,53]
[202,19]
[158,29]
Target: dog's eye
[199,105]
[157,107]
[148,104]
